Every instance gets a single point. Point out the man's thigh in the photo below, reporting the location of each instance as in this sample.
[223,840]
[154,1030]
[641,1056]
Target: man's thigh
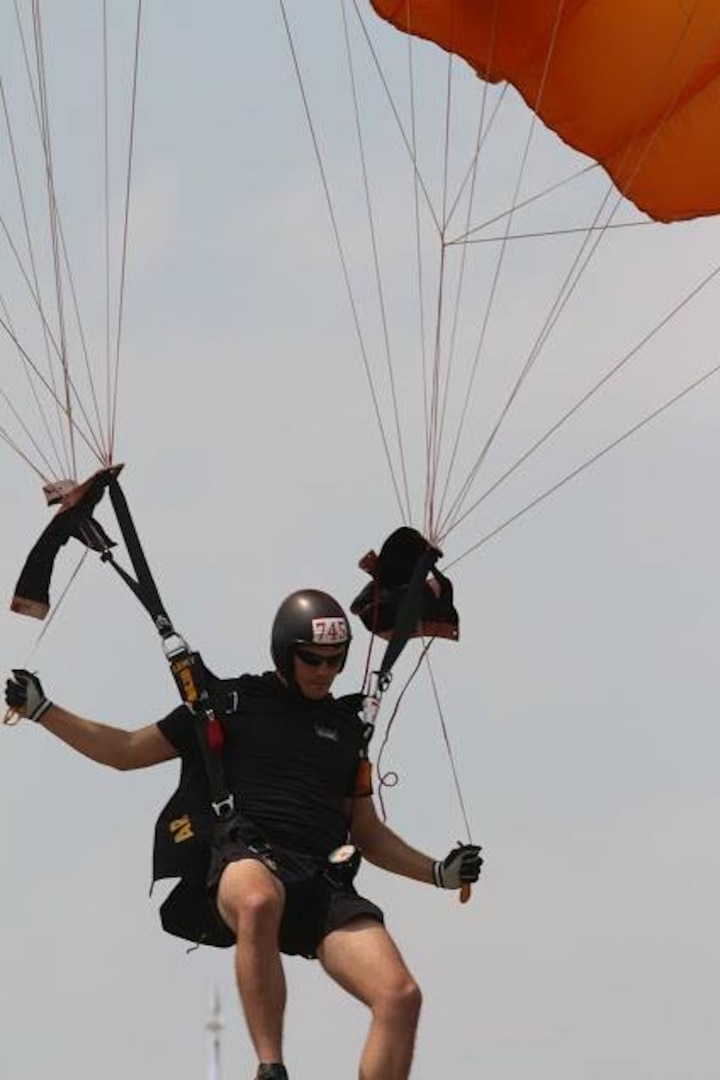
[363,959]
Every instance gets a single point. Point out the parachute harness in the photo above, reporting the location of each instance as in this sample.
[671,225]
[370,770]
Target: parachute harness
[32,597]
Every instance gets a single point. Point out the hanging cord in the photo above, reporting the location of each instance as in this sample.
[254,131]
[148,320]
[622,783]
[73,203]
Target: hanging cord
[391,778]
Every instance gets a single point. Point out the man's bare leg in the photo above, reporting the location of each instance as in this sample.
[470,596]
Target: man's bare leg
[364,960]
[250,900]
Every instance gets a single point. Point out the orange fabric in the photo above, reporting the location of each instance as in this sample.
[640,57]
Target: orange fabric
[364,781]
[634,84]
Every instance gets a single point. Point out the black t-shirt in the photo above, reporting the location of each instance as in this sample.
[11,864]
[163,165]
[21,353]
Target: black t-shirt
[290,762]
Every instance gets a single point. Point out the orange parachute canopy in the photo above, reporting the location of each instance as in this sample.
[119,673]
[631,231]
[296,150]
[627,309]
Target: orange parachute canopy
[634,84]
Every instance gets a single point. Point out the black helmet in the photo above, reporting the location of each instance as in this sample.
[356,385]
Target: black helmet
[307,617]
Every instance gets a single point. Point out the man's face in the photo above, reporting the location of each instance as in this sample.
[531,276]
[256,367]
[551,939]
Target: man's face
[315,668]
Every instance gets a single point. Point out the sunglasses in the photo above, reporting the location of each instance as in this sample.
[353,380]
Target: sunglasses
[334,660]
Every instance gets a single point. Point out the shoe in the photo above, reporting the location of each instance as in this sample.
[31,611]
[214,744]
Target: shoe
[271,1071]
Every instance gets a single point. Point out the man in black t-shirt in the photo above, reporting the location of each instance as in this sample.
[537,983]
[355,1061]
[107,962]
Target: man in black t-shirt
[277,876]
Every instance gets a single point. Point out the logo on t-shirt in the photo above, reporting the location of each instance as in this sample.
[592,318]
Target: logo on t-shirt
[324,732]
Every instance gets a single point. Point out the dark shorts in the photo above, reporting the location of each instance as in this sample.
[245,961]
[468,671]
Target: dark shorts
[315,902]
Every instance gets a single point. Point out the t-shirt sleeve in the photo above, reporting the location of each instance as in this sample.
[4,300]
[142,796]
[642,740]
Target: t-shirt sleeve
[178,727]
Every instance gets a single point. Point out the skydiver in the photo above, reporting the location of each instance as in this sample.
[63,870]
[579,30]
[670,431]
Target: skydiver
[261,880]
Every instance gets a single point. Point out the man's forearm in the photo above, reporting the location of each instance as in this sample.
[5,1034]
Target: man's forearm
[390,852]
[100,742]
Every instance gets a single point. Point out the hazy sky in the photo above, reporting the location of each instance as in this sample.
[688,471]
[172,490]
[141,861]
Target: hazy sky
[581,701]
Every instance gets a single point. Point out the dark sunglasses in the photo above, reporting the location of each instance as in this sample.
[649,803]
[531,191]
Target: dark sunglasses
[335,660]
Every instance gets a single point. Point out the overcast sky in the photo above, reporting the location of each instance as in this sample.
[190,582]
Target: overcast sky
[581,702]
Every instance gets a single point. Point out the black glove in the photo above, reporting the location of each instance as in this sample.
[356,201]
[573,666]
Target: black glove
[460,867]
[25,696]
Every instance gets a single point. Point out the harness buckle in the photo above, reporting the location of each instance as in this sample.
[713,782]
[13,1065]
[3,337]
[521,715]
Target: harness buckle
[224,808]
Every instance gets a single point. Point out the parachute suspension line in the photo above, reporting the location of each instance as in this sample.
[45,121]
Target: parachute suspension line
[340,249]
[572,278]
[57,604]
[106,228]
[696,384]
[489,307]
[548,233]
[34,286]
[7,438]
[409,146]
[43,416]
[126,227]
[466,237]
[28,433]
[64,468]
[473,167]
[570,284]
[34,292]
[471,177]
[52,391]
[376,263]
[419,266]
[53,217]
[449,750]
[614,370]
[391,778]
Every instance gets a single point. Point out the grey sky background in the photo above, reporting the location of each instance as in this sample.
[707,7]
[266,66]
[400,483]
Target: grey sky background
[581,701]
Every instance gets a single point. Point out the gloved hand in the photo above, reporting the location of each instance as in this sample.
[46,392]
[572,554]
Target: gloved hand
[25,695]
[460,867]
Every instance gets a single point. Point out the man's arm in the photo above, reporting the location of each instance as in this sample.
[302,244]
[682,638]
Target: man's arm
[103,743]
[384,848]
[109,745]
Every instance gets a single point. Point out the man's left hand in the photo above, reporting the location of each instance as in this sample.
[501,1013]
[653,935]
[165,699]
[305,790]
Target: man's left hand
[461,867]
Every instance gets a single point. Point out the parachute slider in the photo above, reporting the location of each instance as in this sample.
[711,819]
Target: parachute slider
[74,520]
[405,568]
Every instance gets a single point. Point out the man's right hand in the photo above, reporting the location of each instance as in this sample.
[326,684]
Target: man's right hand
[25,696]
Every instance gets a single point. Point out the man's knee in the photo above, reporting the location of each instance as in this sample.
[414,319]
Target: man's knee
[250,901]
[399,1000]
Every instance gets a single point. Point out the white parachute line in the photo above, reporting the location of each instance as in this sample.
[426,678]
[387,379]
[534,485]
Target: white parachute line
[472,177]
[53,217]
[34,392]
[34,289]
[340,249]
[8,438]
[570,283]
[499,266]
[435,395]
[106,222]
[419,262]
[398,120]
[15,445]
[379,284]
[56,607]
[62,434]
[589,394]
[465,238]
[449,751]
[23,423]
[648,419]
[549,233]
[48,380]
[126,227]
[55,397]
[568,286]
[471,172]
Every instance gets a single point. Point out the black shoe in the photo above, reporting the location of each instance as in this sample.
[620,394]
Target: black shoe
[273,1071]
